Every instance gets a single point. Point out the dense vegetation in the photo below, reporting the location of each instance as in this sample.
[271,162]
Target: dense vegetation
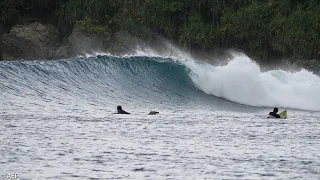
[262,28]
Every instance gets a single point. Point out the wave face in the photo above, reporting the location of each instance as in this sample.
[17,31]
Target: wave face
[90,85]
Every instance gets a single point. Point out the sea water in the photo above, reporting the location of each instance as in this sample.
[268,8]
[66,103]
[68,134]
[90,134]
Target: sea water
[56,119]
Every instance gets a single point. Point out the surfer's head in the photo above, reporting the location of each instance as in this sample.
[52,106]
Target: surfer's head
[274,110]
[119,108]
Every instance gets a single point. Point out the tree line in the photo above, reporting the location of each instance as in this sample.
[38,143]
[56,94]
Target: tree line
[262,28]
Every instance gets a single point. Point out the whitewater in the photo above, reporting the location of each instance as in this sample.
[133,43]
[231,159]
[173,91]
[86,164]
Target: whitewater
[57,121]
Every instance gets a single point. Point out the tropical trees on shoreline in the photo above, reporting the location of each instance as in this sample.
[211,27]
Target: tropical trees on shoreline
[263,29]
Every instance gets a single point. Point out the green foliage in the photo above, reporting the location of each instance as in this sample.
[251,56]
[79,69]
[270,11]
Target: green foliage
[76,10]
[289,28]
[248,28]
[90,26]
[8,13]
[196,32]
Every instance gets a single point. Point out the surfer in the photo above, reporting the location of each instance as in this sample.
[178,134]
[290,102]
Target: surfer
[121,111]
[274,113]
[153,113]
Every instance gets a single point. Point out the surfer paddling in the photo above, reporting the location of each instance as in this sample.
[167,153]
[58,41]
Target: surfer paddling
[274,114]
[153,113]
[121,111]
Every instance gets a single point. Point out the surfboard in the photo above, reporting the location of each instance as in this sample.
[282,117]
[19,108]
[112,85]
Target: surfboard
[283,115]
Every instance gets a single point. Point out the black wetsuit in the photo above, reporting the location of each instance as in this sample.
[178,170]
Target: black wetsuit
[274,114]
[122,112]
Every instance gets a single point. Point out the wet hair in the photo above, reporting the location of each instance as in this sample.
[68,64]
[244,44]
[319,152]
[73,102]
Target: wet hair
[119,108]
[275,110]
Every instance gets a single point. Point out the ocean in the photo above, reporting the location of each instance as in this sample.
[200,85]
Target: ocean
[57,121]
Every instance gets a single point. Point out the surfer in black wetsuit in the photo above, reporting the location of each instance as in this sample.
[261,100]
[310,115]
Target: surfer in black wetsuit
[121,111]
[274,113]
[153,113]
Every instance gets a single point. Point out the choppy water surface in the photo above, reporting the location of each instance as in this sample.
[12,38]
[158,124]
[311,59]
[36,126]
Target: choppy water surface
[194,145]
[56,121]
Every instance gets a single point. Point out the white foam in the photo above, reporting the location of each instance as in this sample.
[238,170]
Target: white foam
[242,81]
[94,54]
